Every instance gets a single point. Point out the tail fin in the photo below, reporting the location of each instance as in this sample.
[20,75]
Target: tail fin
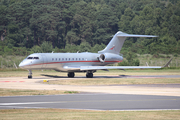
[117,42]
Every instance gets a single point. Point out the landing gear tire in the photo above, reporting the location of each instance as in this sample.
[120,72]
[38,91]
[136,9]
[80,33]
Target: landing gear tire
[71,74]
[29,77]
[89,75]
[30,74]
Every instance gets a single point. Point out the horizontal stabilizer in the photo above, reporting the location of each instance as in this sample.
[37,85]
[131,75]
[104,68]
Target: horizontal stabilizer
[117,42]
[131,35]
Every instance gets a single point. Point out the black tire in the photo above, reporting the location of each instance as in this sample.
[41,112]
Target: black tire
[71,74]
[89,75]
[29,77]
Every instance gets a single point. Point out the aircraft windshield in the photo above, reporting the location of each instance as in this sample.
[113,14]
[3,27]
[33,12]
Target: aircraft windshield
[33,58]
[30,58]
[36,57]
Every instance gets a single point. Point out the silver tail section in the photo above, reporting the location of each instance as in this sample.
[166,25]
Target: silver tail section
[117,42]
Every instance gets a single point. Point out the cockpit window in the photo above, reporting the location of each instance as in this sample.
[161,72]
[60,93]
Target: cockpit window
[30,58]
[33,58]
[36,57]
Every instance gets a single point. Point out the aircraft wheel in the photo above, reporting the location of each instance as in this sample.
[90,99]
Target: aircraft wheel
[89,75]
[29,76]
[71,74]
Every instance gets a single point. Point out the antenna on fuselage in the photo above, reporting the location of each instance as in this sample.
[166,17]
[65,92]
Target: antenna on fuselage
[52,51]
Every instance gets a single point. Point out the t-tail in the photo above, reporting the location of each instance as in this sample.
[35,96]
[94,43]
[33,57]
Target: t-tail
[117,42]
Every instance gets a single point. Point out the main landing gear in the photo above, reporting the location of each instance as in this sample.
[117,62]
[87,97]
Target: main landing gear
[30,74]
[89,75]
[71,74]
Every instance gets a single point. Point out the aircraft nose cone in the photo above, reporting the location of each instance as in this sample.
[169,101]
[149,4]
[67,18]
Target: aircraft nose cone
[21,65]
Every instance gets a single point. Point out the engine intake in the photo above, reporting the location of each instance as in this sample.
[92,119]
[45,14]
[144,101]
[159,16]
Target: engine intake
[102,58]
[109,58]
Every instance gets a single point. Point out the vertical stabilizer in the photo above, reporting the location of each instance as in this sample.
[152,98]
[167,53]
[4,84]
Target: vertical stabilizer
[117,42]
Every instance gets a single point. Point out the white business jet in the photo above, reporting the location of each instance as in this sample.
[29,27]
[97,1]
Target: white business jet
[83,62]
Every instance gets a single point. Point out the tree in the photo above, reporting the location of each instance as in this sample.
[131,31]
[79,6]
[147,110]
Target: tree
[46,47]
[85,47]
[124,23]
[3,21]
[106,22]
[70,23]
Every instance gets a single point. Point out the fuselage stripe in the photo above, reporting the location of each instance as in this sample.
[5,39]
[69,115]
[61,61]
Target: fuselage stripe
[72,62]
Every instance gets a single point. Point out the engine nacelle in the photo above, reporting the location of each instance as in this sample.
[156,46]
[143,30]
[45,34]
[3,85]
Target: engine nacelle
[102,58]
[110,57]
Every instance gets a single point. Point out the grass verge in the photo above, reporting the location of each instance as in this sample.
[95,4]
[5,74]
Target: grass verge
[115,81]
[17,92]
[22,73]
[58,114]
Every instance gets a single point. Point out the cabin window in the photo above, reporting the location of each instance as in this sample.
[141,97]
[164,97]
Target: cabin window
[76,59]
[52,59]
[36,57]
[69,58]
[30,58]
[62,58]
[66,59]
[59,59]
[82,58]
[79,58]
[56,59]
[73,59]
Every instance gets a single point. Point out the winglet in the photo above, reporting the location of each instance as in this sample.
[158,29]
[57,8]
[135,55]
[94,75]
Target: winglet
[166,65]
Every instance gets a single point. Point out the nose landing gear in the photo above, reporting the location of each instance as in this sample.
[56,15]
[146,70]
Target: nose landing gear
[30,74]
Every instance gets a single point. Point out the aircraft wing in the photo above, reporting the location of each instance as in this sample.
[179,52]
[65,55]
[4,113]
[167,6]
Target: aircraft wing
[121,67]
[86,68]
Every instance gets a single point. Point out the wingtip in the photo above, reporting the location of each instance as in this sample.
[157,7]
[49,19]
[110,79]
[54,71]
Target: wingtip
[166,65]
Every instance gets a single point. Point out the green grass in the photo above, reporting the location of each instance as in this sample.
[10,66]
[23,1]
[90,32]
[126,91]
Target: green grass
[8,61]
[58,114]
[24,73]
[17,92]
[162,60]
[102,81]
[115,81]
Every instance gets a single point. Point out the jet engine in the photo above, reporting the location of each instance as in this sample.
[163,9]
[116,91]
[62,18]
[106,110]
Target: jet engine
[110,57]
[102,58]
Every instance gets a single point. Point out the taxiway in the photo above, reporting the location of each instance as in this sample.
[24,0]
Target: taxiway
[34,84]
[105,97]
[119,102]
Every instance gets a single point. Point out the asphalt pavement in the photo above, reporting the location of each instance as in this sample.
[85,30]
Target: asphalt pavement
[88,101]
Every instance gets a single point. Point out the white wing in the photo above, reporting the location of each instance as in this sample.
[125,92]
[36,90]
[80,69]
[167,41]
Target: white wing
[116,67]
[86,68]
[122,67]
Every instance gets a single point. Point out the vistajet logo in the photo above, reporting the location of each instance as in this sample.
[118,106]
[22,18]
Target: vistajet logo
[112,48]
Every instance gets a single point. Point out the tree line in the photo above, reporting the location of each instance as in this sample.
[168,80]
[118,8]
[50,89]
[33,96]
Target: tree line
[28,26]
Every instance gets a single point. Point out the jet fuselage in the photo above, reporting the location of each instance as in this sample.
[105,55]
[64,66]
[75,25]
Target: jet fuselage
[61,61]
